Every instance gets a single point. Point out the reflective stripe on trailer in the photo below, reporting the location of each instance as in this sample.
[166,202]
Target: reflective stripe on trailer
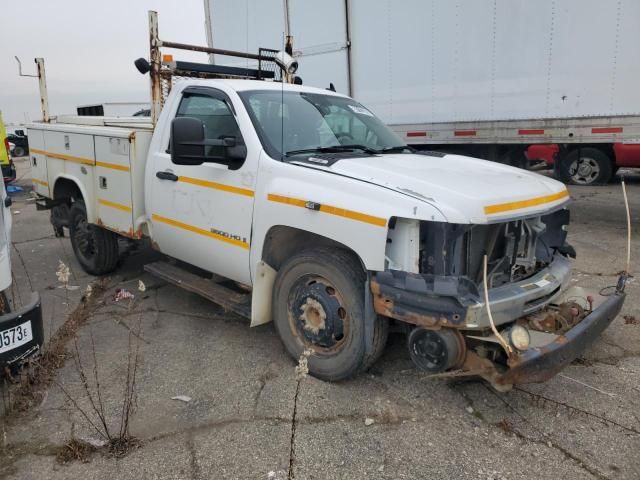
[607,130]
[531,131]
[464,133]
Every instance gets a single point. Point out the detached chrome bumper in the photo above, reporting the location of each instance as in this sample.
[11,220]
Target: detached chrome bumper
[31,313]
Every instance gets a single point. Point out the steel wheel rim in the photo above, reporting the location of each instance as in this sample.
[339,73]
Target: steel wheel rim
[431,349]
[584,170]
[318,316]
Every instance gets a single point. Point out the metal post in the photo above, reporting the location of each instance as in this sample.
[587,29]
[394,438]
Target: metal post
[155,61]
[208,29]
[44,97]
[347,19]
[288,45]
[42,80]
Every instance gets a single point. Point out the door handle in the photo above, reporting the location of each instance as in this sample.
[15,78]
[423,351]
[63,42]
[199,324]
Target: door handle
[167,176]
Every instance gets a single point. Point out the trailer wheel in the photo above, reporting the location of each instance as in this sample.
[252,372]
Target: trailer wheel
[18,151]
[585,166]
[95,248]
[318,305]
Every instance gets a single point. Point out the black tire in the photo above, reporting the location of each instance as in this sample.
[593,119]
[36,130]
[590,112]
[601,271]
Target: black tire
[585,166]
[516,157]
[329,282]
[18,151]
[95,248]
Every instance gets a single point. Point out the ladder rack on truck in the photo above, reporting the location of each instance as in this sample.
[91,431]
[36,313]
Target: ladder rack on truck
[108,151]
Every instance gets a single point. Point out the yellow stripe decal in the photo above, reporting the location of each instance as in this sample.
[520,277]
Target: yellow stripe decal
[61,156]
[216,186]
[118,206]
[199,231]
[112,166]
[340,212]
[532,202]
[84,161]
[40,182]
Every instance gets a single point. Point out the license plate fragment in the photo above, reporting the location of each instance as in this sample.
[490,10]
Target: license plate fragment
[15,337]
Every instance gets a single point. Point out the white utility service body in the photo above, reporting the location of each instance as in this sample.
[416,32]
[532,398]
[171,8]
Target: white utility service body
[468,74]
[247,219]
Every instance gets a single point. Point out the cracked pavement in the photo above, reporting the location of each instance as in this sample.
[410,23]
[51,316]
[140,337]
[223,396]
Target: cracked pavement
[584,423]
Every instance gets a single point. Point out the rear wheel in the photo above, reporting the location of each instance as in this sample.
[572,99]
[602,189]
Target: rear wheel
[18,151]
[95,248]
[318,304]
[585,166]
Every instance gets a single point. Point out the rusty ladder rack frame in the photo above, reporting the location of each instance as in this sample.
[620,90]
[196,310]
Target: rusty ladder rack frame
[155,73]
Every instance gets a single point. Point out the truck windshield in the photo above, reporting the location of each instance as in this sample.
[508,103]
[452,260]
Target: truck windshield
[296,123]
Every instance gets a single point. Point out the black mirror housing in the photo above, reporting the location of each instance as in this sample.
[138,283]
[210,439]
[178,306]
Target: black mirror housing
[189,145]
[187,141]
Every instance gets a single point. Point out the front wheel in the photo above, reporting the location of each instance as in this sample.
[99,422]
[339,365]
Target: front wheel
[95,248]
[585,166]
[18,151]
[318,305]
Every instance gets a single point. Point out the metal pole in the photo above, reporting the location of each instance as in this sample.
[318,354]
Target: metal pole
[44,97]
[347,19]
[217,51]
[154,73]
[208,28]
[42,81]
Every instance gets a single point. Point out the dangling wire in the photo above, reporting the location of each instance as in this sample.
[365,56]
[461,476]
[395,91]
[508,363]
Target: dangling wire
[500,338]
[627,270]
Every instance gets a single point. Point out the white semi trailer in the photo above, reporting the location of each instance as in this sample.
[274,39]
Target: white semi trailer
[554,80]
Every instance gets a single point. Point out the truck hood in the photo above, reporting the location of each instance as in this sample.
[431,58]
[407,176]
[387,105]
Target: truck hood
[464,189]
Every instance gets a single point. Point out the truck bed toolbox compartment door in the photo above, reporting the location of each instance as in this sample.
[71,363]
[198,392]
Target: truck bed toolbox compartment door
[71,155]
[113,184]
[38,163]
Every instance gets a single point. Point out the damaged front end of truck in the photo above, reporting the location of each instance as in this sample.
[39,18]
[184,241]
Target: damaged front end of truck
[536,324]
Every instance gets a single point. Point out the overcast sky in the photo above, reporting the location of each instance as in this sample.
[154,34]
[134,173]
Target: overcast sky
[89,47]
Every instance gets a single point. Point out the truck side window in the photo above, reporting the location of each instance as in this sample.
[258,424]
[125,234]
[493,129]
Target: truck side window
[218,119]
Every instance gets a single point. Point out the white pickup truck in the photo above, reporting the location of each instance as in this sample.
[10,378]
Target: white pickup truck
[336,227]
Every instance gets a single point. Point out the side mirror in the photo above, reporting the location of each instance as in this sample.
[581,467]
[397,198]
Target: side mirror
[190,147]
[187,141]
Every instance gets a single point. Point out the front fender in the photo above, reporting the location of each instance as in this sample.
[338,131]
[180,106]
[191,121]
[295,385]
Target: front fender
[351,212]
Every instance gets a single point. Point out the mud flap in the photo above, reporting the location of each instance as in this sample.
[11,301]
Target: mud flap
[369,318]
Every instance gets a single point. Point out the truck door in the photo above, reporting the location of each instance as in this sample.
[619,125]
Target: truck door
[202,214]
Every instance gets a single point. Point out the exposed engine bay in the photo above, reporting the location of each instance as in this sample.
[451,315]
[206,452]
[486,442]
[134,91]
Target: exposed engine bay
[515,250]
[436,290]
